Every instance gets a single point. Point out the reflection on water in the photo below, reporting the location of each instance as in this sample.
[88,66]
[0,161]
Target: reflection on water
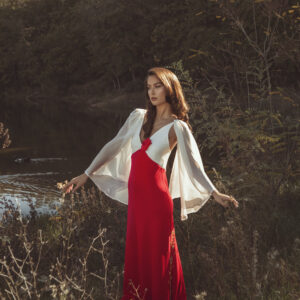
[38,187]
[36,160]
[44,152]
[19,186]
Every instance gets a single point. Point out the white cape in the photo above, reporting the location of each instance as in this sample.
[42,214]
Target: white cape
[188,181]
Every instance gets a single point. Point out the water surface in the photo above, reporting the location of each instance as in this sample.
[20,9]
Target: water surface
[44,151]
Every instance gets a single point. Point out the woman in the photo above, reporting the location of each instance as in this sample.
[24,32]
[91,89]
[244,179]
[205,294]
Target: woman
[131,168]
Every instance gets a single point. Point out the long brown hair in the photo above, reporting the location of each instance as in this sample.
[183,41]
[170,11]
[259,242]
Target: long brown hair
[174,96]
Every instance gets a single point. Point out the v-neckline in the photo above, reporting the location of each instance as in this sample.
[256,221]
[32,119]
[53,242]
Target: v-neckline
[141,142]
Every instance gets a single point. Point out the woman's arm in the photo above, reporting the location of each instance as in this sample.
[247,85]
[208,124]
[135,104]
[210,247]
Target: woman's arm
[189,180]
[108,152]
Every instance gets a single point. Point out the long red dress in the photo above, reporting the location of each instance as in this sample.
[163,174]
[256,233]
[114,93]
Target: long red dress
[134,173]
[152,269]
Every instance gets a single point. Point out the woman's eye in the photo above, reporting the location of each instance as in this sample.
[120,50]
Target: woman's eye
[157,86]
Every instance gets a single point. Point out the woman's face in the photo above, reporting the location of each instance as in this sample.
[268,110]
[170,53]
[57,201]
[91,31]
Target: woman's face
[156,90]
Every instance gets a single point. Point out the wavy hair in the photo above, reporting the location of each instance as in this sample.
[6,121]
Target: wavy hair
[174,96]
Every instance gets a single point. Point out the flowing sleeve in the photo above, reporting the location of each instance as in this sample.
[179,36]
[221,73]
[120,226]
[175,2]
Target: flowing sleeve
[188,180]
[110,168]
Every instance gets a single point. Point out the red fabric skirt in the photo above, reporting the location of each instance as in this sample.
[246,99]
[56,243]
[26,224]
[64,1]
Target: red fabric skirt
[152,269]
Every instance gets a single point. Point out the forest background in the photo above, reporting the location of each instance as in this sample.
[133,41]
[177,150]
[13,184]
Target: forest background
[238,62]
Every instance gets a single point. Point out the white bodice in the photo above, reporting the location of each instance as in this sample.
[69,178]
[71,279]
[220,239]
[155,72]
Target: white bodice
[159,150]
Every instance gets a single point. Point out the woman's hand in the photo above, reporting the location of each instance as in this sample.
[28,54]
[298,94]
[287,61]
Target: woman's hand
[224,200]
[78,181]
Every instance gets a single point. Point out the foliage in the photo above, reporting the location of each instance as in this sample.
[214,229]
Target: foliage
[4,137]
[255,154]
[239,44]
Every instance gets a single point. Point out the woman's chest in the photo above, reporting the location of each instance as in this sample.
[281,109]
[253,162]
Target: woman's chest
[159,146]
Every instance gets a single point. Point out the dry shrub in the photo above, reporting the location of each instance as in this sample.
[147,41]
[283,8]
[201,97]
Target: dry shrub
[66,255]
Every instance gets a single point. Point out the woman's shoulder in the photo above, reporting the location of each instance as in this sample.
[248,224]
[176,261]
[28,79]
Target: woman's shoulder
[180,122]
[182,127]
[137,113]
[140,111]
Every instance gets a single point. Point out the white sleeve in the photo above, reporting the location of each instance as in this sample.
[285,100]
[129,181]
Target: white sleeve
[188,179]
[111,167]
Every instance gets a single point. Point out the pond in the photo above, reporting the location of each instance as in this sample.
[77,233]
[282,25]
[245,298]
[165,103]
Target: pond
[46,150]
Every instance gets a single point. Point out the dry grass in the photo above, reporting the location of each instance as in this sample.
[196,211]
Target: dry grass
[63,256]
[79,253]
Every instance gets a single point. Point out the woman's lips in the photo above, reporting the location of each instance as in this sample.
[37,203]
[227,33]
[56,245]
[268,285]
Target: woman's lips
[153,98]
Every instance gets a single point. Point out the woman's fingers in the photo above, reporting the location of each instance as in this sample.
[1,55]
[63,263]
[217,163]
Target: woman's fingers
[225,200]
[68,187]
[232,199]
[78,184]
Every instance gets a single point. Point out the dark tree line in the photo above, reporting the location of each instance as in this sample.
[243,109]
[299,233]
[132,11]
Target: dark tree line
[57,44]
